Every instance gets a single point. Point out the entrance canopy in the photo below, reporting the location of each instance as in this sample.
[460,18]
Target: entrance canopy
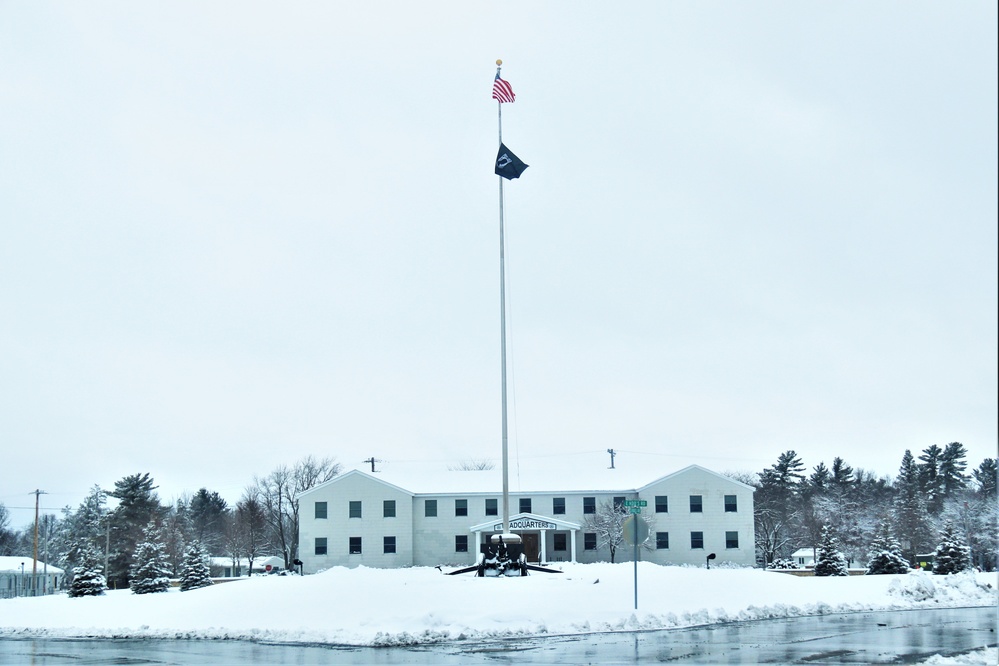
[531,522]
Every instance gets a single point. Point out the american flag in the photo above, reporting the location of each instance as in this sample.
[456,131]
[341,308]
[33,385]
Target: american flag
[502,92]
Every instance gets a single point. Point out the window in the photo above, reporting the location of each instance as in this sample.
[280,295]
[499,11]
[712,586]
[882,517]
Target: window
[388,544]
[491,509]
[558,506]
[320,545]
[662,540]
[430,508]
[589,541]
[662,504]
[461,543]
[695,504]
[525,504]
[697,539]
[590,505]
[731,504]
[355,545]
[355,510]
[731,539]
[320,510]
[461,507]
[560,541]
[388,510]
[619,503]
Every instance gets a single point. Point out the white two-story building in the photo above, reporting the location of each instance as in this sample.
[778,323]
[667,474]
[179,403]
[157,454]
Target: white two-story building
[414,517]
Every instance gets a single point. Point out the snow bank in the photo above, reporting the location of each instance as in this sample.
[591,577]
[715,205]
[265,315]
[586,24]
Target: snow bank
[983,657]
[420,605]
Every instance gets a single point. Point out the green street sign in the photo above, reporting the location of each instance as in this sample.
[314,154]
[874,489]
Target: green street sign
[638,502]
[635,509]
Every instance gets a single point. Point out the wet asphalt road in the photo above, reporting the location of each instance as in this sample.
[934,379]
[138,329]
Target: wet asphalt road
[857,638]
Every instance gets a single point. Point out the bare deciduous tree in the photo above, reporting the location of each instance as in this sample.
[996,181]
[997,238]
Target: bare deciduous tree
[279,492]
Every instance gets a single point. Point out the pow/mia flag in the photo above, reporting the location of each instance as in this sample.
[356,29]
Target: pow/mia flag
[508,165]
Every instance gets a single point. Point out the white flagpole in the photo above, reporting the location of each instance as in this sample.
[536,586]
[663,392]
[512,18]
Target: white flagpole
[506,463]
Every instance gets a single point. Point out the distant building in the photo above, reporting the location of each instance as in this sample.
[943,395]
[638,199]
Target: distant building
[804,558]
[16,579]
[400,518]
[223,567]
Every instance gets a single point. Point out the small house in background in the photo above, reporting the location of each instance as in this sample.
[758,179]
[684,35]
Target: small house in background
[222,567]
[804,558]
[16,578]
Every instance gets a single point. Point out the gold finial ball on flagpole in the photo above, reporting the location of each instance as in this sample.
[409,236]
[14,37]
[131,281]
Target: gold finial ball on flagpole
[499,62]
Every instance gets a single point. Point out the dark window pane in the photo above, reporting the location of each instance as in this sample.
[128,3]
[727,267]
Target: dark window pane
[558,506]
[461,507]
[355,545]
[461,543]
[430,508]
[388,509]
[619,504]
[491,509]
[560,541]
[662,504]
[320,510]
[662,539]
[589,541]
[695,504]
[525,504]
[355,510]
[320,545]
[589,505]
[388,544]
[731,539]
[731,503]
[697,539]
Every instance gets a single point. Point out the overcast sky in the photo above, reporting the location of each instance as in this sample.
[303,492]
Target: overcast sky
[235,234]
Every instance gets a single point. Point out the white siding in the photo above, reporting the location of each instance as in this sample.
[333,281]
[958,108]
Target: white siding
[430,540]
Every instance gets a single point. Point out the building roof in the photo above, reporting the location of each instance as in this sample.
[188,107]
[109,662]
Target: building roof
[583,473]
[9,564]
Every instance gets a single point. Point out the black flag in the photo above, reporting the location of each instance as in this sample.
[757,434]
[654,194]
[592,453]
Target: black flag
[508,165]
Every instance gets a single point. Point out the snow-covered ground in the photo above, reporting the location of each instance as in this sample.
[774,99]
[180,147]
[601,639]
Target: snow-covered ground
[420,605]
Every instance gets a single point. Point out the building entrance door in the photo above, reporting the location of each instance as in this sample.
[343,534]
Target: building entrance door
[532,547]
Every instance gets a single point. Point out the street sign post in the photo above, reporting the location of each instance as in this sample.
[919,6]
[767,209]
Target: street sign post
[635,531]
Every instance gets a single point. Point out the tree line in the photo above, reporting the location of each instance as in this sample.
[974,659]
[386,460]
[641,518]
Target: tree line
[263,522]
[792,506]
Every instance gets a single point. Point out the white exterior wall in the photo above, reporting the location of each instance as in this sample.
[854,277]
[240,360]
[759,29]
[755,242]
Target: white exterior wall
[429,541]
[372,526]
[713,521]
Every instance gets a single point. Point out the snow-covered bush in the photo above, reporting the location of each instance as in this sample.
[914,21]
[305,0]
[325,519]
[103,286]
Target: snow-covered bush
[150,571]
[830,561]
[87,579]
[886,553]
[783,563]
[196,572]
[952,555]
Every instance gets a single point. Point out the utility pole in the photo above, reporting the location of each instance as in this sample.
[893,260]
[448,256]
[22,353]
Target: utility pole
[34,563]
[372,460]
[611,451]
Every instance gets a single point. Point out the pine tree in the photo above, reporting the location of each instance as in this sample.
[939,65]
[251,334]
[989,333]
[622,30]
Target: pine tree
[911,524]
[150,572]
[195,573]
[952,555]
[138,505]
[930,479]
[830,561]
[87,579]
[953,463]
[886,553]
[985,476]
